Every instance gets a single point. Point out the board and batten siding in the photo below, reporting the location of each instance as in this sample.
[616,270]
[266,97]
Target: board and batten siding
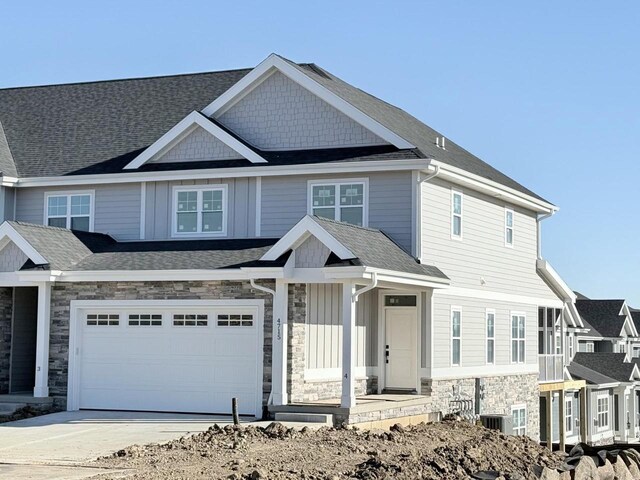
[324,327]
[241,205]
[474,335]
[284,203]
[116,207]
[481,260]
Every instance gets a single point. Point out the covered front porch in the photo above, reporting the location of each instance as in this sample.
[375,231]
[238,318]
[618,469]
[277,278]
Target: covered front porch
[350,339]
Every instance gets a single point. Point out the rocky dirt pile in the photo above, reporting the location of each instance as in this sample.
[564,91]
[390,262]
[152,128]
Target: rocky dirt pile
[442,451]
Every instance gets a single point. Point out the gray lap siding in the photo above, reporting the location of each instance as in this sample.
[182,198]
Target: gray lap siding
[63,293]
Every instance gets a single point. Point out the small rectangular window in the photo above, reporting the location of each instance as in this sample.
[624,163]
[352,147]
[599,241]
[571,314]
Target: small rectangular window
[400,301]
[73,211]
[519,420]
[190,320]
[235,320]
[343,201]
[518,347]
[103,320]
[603,412]
[491,336]
[456,214]
[145,320]
[456,336]
[508,227]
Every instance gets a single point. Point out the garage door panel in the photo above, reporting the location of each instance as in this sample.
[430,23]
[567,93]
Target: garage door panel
[170,367]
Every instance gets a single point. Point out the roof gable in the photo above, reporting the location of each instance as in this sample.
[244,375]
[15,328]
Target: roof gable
[607,317]
[612,365]
[274,63]
[225,143]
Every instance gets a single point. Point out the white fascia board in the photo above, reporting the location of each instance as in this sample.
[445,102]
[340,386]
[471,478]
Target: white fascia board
[549,273]
[493,189]
[602,386]
[629,318]
[239,172]
[300,232]
[183,128]
[275,63]
[6,230]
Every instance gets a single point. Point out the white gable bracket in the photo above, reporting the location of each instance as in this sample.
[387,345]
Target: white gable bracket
[183,127]
[300,232]
[274,62]
[8,232]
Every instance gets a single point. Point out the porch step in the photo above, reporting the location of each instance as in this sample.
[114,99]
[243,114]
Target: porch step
[320,418]
[10,408]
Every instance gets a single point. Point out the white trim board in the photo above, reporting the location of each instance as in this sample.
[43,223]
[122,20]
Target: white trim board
[181,130]
[6,230]
[275,63]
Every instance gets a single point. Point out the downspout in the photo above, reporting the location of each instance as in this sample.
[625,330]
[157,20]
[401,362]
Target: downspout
[374,284]
[538,231]
[431,175]
[253,284]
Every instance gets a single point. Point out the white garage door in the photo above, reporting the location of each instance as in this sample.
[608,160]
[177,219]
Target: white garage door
[182,359]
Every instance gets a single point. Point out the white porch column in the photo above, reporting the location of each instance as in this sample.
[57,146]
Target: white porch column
[348,346]
[41,388]
[279,345]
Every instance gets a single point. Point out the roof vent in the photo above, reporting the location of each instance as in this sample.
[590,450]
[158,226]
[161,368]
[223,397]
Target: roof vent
[438,143]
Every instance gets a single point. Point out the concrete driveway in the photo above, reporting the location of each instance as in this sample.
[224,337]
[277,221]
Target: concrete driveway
[54,446]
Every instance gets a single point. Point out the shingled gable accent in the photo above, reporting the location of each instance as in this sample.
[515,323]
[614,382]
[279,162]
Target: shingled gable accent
[182,129]
[275,63]
[9,234]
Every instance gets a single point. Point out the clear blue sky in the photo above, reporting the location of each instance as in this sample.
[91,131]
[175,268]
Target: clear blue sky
[546,91]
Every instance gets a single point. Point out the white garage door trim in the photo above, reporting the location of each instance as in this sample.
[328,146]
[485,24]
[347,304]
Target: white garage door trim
[75,335]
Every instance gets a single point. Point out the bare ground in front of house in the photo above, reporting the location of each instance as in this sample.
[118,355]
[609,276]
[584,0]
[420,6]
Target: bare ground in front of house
[443,451]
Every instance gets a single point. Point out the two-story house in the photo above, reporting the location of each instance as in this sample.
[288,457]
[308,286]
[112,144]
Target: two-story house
[271,234]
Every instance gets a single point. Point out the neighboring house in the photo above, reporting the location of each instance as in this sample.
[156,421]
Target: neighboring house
[610,327]
[272,234]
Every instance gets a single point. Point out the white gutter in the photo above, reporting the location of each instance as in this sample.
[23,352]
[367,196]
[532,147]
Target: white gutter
[539,219]
[374,284]
[253,283]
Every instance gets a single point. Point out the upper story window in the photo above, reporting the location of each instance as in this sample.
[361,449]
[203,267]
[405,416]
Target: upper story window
[200,211]
[345,201]
[456,335]
[456,214]
[518,347]
[491,336]
[70,210]
[508,227]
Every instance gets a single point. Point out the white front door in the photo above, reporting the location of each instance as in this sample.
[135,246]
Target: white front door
[401,348]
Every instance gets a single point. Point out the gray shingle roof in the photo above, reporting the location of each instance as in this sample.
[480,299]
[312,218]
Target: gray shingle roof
[7,166]
[611,365]
[99,127]
[602,316]
[578,371]
[373,248]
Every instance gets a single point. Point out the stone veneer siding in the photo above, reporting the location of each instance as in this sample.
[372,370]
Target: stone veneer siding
[63,293]
[500,394]
[6,313]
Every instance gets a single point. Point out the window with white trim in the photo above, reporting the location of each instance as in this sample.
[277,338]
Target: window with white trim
[519,414]
[235,320]
[590,347]
[103,320]
[568,415]
[190,320]
[491,336]
[456,336]
[570,346]
[200,211]
[456,214]
[518,342]
[343,201]
[73,210]
[145,320]
[602,415]
[508,227]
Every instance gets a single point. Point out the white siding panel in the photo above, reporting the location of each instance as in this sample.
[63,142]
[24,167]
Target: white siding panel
[481,260]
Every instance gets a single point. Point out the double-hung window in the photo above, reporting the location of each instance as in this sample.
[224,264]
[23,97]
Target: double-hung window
[568,415]
[456,214]
[70,210]
[344,201]
[491,336]
[518,322]
[603,412]
[519,414]
[200,211]
[508,227]
[456,335]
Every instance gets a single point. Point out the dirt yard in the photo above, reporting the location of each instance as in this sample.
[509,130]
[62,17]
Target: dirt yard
[447,450]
